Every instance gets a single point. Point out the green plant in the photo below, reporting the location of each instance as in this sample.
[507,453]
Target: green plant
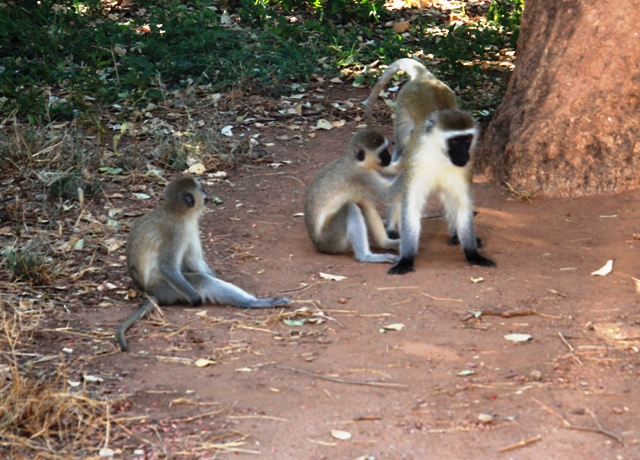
[507,13]
[34,262]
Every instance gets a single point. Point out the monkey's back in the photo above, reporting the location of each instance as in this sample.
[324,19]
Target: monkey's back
[146,239]
[419,98]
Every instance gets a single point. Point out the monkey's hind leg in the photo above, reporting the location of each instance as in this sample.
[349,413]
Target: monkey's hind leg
[146,308]
[219,292]
[358,238]
[460,220]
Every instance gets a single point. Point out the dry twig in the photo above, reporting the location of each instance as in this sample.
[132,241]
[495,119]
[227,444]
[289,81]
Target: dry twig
[339,380]
[521,443]
[600,429]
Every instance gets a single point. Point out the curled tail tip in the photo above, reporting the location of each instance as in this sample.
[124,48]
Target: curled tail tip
[122,342]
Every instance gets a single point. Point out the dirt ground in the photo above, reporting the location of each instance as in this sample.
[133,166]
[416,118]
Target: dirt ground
[446,385]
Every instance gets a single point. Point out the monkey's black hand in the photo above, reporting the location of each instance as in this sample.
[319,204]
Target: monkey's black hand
[196,301]
[393,234]
[475,258]
[405,265]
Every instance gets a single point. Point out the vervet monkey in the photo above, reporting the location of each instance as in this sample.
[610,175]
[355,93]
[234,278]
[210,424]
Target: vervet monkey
[339,209]
[435,140]
[165,260]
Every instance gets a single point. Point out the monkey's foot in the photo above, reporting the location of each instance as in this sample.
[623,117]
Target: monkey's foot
[405,265]
[454,241]
[269,302]
[475,258]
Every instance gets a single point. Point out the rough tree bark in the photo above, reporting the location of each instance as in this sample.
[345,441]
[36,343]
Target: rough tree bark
[569,123]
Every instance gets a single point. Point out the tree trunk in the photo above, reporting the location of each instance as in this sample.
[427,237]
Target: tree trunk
[569,123]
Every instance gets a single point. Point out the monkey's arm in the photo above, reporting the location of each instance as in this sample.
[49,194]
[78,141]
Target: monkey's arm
[357,237]
[176,280]
[376,226]
[194,261]
[146,308]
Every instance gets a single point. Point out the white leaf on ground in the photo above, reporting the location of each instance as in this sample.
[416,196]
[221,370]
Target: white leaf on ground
[342,435]
[518,337]
[332,277]
[324,124]
[604,271]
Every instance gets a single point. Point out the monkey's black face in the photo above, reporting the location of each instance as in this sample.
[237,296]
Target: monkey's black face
[459,149]
[385,158]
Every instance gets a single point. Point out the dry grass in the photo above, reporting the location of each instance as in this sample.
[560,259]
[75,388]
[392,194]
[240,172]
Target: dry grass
[45,419]
[40,416]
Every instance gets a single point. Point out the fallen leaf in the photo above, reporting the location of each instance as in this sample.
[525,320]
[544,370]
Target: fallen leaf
[637,281]
[477,280]
[227,130]
[92,379]
[202,362]
[400,27]
[394,327]
[197,169]
[605,270]
[326,276]
[338,124]
[342,435]
[324,124]
[466,372]
[518,337]
[294,322]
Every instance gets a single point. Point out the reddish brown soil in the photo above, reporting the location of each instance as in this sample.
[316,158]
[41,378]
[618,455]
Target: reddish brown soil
[545,251]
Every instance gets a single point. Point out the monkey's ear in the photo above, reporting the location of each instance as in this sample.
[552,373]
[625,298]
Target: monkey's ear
[189,199]
[429,127]
[360,154]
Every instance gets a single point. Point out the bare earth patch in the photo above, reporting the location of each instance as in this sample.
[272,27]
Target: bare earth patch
[448,384]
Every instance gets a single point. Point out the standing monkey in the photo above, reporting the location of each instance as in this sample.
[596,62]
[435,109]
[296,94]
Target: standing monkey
[435,140]
[165,260]
[339,208]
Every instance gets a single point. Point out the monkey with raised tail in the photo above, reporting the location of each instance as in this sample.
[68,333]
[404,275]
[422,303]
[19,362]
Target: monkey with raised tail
[339,204]
[435,142]
[165,260]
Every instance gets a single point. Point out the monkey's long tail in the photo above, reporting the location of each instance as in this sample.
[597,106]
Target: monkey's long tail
[411,67]
[146,308]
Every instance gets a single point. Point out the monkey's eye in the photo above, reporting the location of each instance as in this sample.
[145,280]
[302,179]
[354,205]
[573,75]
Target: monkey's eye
[190,200]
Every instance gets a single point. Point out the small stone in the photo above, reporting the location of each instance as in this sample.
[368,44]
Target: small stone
[536,375]
[342,300]
[485,418]
[578,411]
[617,410]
